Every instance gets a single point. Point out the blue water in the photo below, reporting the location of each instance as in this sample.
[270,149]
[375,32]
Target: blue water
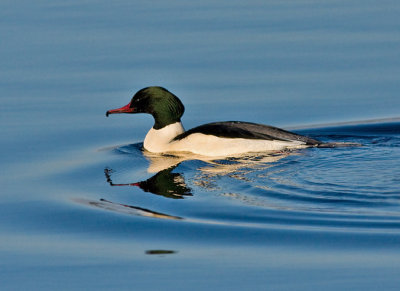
[83,207]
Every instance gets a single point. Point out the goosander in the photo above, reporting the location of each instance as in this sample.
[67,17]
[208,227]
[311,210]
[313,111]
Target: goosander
[218,139]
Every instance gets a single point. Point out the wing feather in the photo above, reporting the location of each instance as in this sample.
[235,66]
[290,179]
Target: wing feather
[247,130]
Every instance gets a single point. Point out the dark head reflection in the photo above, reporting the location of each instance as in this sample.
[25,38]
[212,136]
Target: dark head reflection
[164,183]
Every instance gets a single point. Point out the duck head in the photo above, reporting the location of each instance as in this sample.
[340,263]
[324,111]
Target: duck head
[164,106]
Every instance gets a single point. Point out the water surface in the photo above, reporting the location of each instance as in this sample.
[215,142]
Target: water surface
[84,207]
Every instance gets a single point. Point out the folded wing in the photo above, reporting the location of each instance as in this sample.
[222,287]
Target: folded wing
[247,130]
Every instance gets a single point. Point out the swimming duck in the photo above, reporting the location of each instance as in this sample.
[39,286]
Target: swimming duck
[218,139]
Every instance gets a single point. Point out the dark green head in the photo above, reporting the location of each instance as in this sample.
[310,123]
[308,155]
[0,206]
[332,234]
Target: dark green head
[165,107]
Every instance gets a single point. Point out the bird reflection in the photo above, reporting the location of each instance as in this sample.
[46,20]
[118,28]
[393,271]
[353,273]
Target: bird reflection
[165,183]
[218,166]
[172,185]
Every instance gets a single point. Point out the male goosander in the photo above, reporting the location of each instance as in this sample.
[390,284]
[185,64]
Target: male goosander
[218,139]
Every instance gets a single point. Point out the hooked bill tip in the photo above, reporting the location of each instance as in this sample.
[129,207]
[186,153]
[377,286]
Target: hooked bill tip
[107,113]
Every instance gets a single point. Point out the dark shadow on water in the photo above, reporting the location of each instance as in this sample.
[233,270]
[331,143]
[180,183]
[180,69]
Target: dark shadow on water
[160,253]
[125,208]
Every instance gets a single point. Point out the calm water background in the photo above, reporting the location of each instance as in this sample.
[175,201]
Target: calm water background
[313,219]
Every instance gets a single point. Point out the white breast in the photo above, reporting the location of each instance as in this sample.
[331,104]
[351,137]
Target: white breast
[158,140]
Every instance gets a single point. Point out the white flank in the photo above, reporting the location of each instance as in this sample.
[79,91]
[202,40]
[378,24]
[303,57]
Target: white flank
[210,145]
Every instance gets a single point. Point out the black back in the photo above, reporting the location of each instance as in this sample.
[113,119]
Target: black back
[247,130]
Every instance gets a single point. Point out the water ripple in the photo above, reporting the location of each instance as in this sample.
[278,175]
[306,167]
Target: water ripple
[347,189]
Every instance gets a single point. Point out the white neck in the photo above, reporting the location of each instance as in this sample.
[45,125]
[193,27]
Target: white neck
[158,140]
